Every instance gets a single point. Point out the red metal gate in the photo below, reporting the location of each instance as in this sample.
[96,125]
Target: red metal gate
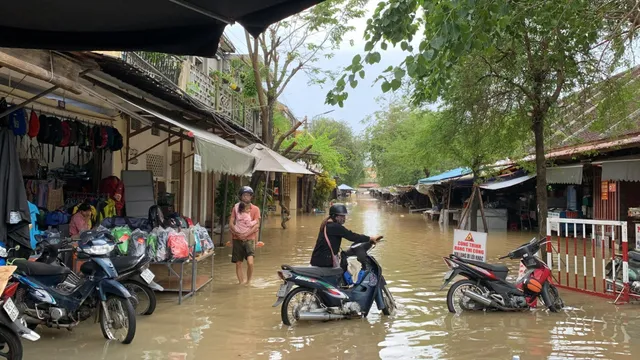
[597,243]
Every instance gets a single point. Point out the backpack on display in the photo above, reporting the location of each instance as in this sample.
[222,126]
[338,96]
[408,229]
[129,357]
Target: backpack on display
[18,122]
[118,141]
[34,125]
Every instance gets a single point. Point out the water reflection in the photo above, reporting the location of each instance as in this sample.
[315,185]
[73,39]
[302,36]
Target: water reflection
[226,321]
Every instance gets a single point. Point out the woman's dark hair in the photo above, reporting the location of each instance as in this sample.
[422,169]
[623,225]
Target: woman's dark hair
[241,206]
[84,207]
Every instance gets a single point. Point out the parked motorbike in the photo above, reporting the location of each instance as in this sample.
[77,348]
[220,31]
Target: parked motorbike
[133,273]
[633,271]
[486,287]
[47,297]
[323,294]
[12,325]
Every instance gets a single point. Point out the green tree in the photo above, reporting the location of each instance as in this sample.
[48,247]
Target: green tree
[530,53]
[346,143]
[297,44]
[328,156]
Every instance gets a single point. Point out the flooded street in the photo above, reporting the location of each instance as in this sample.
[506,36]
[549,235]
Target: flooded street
[228,321]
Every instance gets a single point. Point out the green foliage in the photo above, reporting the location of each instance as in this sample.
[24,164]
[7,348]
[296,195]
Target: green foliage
[193,88]
[346,143]
[330,158]
[280,124]
[232,198]
[259,193]
[322,190]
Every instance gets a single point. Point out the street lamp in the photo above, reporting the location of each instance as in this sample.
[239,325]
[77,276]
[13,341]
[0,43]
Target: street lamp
[315,116]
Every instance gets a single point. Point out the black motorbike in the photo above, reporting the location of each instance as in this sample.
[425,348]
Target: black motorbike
[47,298]
[486,286]
[323,293]
[617,267]
[133,273]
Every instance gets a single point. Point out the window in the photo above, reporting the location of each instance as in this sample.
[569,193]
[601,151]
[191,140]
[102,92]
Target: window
[155,163]
[199,64]
[155,131]
[136,124]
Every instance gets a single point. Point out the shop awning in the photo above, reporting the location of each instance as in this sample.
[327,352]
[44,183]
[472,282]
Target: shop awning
[565,175]
[445,175]
[345,187]
[217,154]
[621,170]
[496,185]
[192,27]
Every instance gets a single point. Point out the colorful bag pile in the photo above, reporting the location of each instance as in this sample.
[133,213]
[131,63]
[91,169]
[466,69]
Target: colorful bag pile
[138,243]
[178,245]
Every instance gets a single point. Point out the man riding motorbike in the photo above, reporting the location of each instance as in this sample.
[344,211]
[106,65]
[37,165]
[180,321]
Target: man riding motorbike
[330,237]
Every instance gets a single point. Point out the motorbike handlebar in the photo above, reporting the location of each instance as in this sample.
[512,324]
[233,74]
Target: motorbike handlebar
[503,257]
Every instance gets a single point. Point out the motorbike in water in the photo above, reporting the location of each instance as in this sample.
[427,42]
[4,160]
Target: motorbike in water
[486,287]
[323,294]
[12,324]
[633,271]
[46,297]
[133,273]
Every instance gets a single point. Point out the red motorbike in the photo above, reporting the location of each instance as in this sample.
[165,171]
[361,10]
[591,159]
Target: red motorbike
[486,287]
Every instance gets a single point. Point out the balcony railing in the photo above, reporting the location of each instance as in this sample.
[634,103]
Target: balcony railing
[220,97]
[162,67]
[166,68]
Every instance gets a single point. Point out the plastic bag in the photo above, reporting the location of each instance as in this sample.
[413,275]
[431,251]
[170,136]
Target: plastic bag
[152,245]
[205,239]
[122,235]
[194,239]
[138,243]
[161,252]
[178,245]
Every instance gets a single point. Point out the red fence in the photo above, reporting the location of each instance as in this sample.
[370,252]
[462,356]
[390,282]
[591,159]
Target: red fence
[580,252]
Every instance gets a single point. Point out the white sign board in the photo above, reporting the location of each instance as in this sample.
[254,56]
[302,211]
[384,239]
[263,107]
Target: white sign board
[470,245]
[197,163]
[637,226]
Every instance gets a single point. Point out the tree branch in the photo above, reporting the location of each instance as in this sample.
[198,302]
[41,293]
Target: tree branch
[302,153]
[285,135]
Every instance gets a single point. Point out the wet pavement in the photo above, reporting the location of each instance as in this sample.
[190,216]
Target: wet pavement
[229,321]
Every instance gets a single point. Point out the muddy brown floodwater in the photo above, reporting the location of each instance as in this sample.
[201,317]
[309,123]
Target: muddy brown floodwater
[228,321]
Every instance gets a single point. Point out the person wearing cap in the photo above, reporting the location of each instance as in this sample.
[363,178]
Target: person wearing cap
[244,225]
[332,231]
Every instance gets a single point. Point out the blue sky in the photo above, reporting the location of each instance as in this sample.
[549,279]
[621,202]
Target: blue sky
[308,100]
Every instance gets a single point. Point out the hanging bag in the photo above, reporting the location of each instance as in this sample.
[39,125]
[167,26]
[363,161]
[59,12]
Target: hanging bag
[336,261]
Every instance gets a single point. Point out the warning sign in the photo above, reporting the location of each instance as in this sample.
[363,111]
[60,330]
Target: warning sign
[470,245]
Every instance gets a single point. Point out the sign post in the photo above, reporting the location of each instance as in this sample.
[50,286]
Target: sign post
[470,245]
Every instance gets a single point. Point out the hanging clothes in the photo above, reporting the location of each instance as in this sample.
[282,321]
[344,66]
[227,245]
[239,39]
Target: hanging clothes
[34,212]
[14,209]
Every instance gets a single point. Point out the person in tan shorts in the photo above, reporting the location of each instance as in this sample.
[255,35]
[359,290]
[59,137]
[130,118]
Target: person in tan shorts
[244,225]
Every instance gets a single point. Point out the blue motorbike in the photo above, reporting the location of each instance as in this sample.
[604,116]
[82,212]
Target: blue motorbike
[48,298]
[324,294]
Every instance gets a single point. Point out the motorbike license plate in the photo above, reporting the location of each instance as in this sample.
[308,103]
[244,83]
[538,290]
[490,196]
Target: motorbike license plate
[11,309]
[147,276]
[282,292]
[447,275]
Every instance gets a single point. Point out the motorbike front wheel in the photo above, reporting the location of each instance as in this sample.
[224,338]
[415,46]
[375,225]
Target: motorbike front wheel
[299,299]
[10,344]
[551,297]
[145,298]
[121,325]
[457,302]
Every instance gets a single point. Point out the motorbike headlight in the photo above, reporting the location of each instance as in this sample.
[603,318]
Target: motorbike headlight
[99,249]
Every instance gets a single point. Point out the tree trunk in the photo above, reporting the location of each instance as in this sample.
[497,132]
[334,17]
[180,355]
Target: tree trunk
[473,214]
[541,174]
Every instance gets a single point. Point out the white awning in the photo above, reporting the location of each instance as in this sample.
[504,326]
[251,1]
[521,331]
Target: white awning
[271,161]
[508,183]
[217,154]
[565,175]
[621,170]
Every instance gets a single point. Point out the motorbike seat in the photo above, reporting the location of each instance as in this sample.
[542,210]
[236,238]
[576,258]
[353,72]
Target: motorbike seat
[127,263]
[32,268]
[500,270]
[634,255]
[315,271]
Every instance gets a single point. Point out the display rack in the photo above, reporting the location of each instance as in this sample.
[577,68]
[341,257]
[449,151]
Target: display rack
[177,280]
